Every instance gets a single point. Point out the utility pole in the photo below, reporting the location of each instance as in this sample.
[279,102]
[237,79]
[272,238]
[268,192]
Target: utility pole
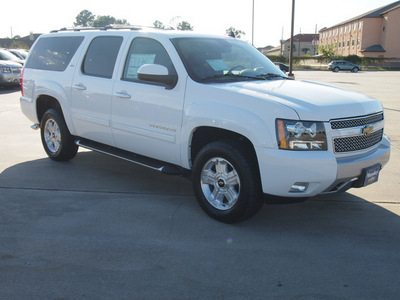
[252,26]
[291,45]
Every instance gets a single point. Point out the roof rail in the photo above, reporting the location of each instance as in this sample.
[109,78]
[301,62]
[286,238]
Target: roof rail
[107,27]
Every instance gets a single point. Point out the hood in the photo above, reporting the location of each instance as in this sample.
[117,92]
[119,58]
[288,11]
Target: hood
[9,63]
[312,101]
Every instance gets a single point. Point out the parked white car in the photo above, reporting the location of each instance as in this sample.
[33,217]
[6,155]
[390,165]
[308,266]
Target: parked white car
[212,108]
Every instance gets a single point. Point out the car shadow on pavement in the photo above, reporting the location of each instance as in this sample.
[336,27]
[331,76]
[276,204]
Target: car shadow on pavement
[9,89]
[94,172]
[96,215]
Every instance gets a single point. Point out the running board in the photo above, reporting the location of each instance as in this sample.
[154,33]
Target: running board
[132,157]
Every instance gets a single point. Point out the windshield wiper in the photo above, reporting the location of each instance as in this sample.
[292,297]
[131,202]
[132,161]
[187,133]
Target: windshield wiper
[235,76]
[273,75]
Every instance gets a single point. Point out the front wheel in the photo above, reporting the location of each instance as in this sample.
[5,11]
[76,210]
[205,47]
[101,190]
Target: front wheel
[56,138]
[355,70]
[226,182]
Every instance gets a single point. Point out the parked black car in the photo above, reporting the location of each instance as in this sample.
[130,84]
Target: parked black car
[284,68]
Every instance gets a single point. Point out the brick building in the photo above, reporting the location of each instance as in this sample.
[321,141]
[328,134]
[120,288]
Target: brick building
[373,34]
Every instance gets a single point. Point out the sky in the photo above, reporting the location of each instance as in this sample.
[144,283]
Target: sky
[271,17]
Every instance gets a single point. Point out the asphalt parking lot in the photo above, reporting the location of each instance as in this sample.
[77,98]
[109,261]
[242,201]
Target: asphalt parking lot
[101,228]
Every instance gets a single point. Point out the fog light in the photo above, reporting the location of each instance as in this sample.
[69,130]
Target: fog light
[299,187]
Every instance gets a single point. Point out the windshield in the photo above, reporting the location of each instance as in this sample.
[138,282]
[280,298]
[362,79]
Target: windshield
[7,55]
[224,60]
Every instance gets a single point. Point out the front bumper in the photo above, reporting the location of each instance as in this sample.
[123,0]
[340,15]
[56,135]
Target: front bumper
[9,79]
[306,174]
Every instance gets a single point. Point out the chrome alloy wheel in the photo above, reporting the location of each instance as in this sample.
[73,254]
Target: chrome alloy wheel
[220,183]
[52,135]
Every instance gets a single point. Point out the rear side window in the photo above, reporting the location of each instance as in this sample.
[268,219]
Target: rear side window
[101,56]
[53,53]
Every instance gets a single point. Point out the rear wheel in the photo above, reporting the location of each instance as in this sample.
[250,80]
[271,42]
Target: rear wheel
[336,69]
[226,182]
[56,138]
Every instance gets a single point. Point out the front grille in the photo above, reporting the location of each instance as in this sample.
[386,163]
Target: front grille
[16,70]
[359,142]
[355,122]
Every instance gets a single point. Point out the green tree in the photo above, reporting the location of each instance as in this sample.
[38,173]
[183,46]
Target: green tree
[158,24]
[19,45]
[305,50]
[232,31]
[102,21]
[327,51]
[85,18]
[184,26]
[122,22]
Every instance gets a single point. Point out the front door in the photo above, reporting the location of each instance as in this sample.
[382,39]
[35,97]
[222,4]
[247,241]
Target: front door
[146,117]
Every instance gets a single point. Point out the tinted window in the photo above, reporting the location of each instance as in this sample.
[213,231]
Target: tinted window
[145,51]
[101,56]
[53,53]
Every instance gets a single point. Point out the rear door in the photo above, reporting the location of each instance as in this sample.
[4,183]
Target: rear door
[92,88]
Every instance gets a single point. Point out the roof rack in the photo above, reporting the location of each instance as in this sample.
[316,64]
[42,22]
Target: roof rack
[107,27]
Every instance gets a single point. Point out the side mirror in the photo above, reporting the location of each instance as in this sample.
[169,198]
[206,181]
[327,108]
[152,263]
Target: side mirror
[158,74]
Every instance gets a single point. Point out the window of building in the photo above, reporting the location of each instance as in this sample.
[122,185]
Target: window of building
[360,25]
[101,56]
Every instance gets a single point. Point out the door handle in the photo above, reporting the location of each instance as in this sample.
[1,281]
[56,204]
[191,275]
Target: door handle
[123,95]
[79,87]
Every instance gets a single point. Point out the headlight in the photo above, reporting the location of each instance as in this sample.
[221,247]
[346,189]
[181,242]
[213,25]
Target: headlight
[300,135]
[5,69]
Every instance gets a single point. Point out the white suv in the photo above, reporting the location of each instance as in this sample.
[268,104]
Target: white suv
[212,108]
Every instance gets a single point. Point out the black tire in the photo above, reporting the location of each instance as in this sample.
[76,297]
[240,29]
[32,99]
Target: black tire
[226,182]
[355,70]
[336,69]
[57,141]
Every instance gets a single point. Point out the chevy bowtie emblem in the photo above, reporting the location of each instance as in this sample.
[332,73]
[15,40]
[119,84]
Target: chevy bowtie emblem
[368,129]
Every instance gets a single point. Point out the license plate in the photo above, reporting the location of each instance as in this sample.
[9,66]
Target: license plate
[371,175]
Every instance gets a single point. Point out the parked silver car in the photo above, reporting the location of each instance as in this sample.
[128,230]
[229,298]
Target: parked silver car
[10,73]
[342,65]
[7,55]
[20,53]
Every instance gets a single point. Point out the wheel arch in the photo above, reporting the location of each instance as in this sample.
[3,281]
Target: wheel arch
[45,102]
[48,100]
[204,135]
